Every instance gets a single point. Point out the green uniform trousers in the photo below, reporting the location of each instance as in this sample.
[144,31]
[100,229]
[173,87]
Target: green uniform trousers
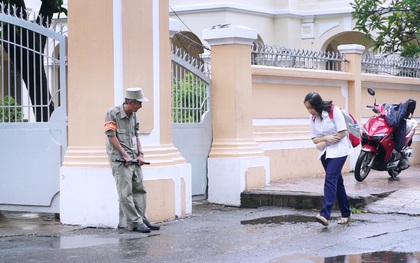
[131,194]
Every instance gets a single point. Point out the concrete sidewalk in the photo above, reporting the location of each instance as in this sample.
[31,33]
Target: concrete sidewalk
[376,194]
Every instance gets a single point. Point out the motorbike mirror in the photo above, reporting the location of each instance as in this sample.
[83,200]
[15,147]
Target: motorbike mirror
[371,91]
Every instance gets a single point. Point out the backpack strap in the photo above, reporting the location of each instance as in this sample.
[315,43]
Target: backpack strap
[332,111]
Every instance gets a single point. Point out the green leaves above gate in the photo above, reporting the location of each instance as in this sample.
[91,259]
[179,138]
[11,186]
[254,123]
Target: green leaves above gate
[189,98]
[10,111]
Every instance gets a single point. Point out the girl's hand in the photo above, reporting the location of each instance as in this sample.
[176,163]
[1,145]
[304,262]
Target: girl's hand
[321,145]
[332,139]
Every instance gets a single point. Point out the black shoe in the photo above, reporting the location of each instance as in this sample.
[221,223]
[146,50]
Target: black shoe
[151,226]
[142,228]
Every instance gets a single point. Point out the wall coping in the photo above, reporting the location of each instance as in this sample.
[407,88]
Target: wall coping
[351,48]
[173,27]
[229,34]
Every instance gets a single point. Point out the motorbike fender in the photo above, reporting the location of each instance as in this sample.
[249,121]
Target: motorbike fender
[369,148]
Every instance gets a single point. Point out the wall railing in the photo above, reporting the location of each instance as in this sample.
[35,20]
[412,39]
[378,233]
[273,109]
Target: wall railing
[277,56]
[392,64]
[381,64]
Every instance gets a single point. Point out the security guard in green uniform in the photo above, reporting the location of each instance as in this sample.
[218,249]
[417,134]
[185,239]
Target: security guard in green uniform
[123,143]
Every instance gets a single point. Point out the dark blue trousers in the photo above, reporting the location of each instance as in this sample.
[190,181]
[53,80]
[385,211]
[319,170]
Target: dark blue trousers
[334,187]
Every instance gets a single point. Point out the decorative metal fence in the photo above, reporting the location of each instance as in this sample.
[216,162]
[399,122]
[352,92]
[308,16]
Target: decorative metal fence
[392,64]
[276,56]
[190,87]
[191,115]
[33,111]
[32,74]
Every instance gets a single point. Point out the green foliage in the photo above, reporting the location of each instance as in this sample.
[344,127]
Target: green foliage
[10,110]
[355,210]
[393,25]
[60,8]
[189,99]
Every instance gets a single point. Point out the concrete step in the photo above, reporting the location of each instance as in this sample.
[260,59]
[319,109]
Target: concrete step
[254,199]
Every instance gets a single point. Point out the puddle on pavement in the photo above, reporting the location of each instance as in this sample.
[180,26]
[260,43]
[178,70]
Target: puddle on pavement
[28,221]
[85,241]
[24,216]
[283,219]
[74,242]
[16,218]
[63,242]
[372,257]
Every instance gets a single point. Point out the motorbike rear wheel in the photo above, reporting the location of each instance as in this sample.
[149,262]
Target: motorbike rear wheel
[362,169]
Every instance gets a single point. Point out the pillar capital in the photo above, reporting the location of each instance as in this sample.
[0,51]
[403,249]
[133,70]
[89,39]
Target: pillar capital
[229,34]
[351,49]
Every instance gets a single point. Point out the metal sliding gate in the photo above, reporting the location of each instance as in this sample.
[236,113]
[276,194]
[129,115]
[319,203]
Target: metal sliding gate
[191,116]
[33,113]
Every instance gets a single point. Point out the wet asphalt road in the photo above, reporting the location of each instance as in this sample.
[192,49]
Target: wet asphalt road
[215,233]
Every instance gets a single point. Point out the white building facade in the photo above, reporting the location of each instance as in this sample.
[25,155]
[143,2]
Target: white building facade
[301,24]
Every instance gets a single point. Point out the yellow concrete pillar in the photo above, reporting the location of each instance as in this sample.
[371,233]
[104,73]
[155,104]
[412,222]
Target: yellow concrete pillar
[353,54]
[125,44]
[98,76]
[231,91]
[234,150]
[90,80]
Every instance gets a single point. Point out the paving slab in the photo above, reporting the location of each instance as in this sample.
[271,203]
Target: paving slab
[376,193]
[403,201]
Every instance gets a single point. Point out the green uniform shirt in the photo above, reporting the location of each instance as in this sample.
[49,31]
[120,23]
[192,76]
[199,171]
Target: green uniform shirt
[125,128]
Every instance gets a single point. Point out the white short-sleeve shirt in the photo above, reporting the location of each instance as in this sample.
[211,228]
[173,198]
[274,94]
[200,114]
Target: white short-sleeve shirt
[326,126]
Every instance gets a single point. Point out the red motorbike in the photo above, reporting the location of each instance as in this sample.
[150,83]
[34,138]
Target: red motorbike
[378,143]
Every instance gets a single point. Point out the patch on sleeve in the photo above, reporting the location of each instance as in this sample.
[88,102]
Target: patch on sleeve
[110,125]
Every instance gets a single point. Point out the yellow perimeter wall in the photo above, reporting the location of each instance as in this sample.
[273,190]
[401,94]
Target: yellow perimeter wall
[281,122]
